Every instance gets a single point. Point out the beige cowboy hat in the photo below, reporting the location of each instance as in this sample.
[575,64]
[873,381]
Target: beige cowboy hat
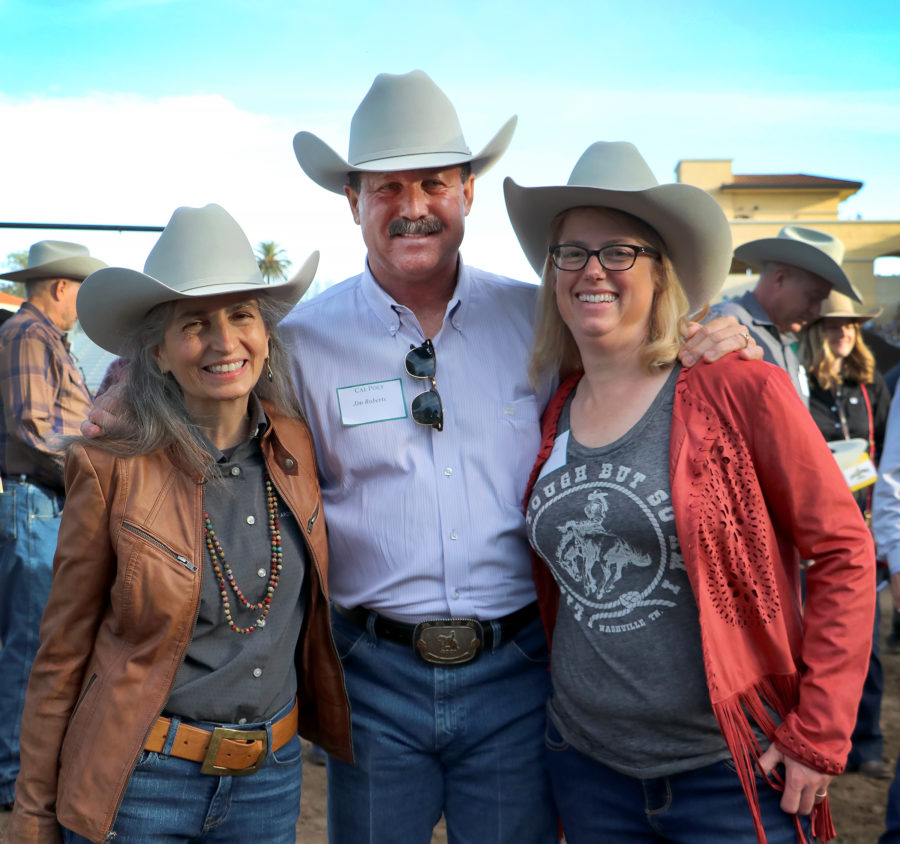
[612,174]
[201,252]
[56,259]
[839,306]
[405,122]
[816,252]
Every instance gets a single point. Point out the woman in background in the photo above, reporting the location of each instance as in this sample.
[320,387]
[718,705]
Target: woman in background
[849,399]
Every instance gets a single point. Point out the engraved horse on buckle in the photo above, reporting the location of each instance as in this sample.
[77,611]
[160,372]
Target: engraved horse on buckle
[452,641]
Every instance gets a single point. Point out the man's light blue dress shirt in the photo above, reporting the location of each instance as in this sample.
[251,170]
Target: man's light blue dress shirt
[423,523]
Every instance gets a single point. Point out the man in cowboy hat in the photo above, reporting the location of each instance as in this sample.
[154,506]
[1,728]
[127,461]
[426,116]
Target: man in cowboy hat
[43,397]
[435,616]
[798,269]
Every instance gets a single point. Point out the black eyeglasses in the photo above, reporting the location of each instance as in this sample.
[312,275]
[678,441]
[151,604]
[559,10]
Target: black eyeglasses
[426,408]
[616,256]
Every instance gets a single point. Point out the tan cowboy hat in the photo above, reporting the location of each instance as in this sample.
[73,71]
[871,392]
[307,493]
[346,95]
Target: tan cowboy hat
[816,252]
[612,174]
[839,306]
[56,259]
[405,122]
[201,252]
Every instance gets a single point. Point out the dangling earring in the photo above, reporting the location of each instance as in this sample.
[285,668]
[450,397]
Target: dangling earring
[269,374]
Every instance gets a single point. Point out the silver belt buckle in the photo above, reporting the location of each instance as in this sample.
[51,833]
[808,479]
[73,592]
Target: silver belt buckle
[451,641]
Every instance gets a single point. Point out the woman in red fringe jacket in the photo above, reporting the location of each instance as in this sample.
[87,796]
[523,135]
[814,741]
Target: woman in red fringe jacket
[694,698]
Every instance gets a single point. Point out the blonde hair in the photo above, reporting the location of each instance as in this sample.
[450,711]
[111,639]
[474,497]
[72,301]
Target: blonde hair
[818,359]
[554,348]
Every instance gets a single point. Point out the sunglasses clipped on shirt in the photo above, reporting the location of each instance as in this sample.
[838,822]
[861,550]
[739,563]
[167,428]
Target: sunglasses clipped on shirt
[426,408]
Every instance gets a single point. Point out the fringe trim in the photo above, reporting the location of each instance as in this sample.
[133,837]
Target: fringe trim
[734,716]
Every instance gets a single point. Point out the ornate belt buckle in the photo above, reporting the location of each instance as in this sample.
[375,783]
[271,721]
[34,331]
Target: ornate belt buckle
[451,641]
[221,733]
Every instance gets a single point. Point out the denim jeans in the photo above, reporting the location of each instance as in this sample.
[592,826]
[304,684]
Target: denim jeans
[29,525]
[703,806]
[168,800]
[465,741]
[867,741]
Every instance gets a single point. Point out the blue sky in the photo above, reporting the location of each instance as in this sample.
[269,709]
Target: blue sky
[117,111]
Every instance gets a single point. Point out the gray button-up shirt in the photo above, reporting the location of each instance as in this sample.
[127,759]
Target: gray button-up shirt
[777,346]
[229,677]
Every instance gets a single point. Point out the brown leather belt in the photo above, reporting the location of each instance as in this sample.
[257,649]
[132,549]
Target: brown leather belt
[224,752]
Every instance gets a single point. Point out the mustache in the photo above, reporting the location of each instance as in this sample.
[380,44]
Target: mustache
[424,225]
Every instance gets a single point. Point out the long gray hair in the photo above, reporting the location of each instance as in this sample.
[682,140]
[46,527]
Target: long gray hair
[153,413]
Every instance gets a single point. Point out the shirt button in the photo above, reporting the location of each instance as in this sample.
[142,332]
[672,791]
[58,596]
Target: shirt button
[257,672]
[235,471]
[251,520]
[242,720]
[454,535]
[456,595]
[448,471]
[289,463]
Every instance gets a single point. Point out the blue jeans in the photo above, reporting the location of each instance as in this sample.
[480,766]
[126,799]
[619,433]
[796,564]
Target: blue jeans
[168,800]
[867,741]
[703,806]
[29,525]
[465,741]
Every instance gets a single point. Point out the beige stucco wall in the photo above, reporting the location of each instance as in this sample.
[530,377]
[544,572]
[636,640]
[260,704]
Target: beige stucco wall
[769,210]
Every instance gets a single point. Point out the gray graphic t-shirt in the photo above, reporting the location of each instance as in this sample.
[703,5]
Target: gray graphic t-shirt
[629,687]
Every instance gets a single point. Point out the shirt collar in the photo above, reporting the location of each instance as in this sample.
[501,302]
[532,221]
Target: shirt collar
[54,328]
[392,314]
[751,304]
[259,426]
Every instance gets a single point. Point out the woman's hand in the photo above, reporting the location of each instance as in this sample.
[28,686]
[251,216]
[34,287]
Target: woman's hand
[715,339]
[804,788]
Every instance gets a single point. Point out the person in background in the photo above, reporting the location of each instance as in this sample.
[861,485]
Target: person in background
[187,636]
[848,399]
[797,271]
[670,509]
[43,398]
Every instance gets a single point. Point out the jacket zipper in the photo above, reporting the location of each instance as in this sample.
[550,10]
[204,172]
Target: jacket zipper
[112,835]
[184,561]
[312,520]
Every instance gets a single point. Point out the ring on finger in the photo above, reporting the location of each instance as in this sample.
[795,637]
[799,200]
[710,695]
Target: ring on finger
[746,336]
[821,795]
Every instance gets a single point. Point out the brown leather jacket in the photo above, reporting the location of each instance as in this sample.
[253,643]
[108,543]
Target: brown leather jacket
[120,616]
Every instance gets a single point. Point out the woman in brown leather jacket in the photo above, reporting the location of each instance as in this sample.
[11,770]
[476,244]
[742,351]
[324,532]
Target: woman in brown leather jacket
[187,636]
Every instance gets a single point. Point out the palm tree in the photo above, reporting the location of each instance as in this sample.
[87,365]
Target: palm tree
[272,263]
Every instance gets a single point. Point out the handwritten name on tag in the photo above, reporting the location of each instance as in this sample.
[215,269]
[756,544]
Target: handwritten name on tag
[377,401]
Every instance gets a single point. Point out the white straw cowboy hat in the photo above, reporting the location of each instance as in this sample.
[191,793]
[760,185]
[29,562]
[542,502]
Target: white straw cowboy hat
[839,306]
[816,252]
[56,259]
[405,122]
[614,175]
[201,252]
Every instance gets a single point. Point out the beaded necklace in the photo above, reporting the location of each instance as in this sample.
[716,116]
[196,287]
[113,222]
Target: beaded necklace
[224,573]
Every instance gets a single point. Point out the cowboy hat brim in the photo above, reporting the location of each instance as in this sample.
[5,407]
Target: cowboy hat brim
[113,302]
[76,267]
[690,222]
[784,250]
[327,169]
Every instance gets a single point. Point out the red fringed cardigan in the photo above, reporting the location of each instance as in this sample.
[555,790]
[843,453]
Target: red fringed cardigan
[755,490]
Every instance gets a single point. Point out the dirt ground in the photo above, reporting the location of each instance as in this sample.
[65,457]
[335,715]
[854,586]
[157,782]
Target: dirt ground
[857,803]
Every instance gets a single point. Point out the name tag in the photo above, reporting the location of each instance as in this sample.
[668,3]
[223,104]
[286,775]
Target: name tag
[377,401]
[861,474]
[557,458]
